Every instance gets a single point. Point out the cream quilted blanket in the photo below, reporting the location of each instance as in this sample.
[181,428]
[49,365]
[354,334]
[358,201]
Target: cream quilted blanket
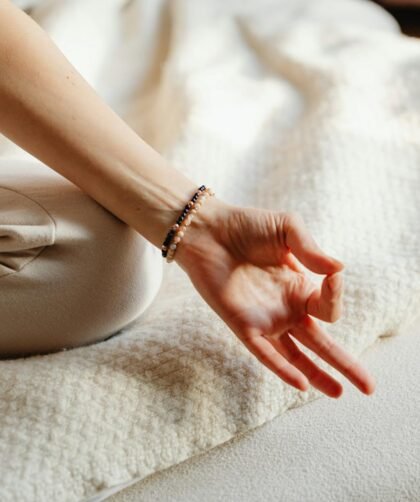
[306,105]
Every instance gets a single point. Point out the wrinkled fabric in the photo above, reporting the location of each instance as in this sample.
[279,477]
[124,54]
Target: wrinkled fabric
[71,272]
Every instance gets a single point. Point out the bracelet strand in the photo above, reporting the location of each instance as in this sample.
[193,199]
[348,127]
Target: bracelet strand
[177,230]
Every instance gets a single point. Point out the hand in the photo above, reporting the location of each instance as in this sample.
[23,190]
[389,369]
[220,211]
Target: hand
[244,262]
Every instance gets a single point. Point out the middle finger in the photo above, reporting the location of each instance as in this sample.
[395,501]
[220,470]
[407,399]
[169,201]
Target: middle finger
[310,333]
[319,378]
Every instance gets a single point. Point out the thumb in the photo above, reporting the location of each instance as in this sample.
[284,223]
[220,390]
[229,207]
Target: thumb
[297,238]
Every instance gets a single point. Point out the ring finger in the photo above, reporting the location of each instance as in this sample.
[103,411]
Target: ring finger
[319,378]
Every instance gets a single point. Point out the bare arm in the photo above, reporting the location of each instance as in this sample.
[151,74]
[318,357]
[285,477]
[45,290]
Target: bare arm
[48,109]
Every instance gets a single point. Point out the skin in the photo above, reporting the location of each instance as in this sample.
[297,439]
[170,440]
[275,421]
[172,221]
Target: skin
[247,263]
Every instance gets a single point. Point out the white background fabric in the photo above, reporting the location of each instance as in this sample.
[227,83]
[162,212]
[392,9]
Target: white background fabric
[353,449]
[306,106]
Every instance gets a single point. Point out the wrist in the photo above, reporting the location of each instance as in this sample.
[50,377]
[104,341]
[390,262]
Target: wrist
[202,233]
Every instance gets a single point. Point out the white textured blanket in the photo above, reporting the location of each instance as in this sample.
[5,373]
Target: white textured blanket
[302,105]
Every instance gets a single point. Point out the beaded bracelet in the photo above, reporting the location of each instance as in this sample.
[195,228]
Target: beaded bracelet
[176,232]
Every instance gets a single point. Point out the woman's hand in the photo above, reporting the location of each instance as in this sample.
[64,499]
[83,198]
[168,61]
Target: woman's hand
[244,262]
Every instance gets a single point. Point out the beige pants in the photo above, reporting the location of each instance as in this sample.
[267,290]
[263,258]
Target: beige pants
[71,273]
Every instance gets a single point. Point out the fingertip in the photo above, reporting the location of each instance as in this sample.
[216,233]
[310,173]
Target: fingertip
[334,281]
[337,392]
[365,382]
[329,265]
[369,387]
[303,384]
[332,266]
[339,265]
[324,264]
[298,380]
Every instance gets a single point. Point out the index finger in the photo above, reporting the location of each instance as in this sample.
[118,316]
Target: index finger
[311,334]
[299,240]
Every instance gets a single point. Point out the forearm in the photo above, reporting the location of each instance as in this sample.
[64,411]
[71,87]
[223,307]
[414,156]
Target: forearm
[48,109]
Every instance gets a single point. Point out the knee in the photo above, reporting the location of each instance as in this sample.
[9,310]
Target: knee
[71,273]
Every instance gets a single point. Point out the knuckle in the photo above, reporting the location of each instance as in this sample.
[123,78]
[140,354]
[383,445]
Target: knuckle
[351,367]
[280,366]
[263,358]
[290,221]
[293,218]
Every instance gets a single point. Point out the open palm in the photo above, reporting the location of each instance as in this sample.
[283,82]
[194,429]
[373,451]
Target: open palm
[248,269]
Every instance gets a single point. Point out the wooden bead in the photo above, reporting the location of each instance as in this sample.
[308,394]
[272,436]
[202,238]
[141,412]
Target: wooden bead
[177,231]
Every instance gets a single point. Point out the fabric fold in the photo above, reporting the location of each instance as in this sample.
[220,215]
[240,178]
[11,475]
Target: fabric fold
[25,229]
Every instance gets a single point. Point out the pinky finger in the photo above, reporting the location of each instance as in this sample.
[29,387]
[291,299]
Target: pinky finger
[273,360]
